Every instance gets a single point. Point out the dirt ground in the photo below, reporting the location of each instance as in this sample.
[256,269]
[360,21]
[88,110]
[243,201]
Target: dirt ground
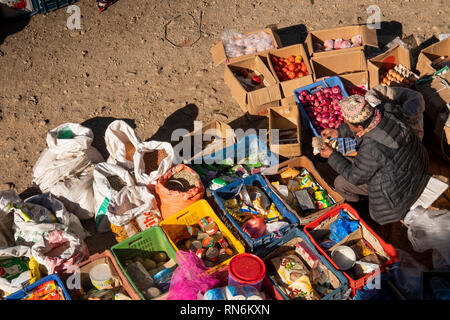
[121,66]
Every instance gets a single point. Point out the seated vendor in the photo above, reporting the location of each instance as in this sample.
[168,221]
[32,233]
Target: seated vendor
[391,162]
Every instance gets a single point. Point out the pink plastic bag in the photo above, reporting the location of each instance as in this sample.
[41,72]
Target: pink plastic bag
[190,278]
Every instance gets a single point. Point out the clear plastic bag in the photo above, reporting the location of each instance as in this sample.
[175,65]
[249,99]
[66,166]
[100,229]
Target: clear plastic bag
[237,44]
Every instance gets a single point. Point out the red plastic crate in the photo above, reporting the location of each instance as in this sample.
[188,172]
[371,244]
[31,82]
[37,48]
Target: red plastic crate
[388,248]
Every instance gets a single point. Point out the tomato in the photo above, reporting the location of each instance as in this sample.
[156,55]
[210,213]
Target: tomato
[291,75]
[291,67]
[285,70]
[277,68]
[291,59]
[300,74]
[244,73]
[274,60]
[303,67]
[280,64]
[280,75]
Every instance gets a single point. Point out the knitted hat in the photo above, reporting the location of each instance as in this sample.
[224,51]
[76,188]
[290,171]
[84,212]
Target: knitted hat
[355,109]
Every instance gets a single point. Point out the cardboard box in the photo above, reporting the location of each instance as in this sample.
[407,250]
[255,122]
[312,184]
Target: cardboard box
[378,65]
[303,162]
[218,50]
[358,79]
[285,118]
[369,38]
[213,136]
[427,55]
[339,64]
[288,87]
[255,102]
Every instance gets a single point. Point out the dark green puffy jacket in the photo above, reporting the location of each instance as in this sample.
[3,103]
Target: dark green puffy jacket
[391,161]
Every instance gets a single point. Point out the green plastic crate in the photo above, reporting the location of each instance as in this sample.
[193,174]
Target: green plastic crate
[142,244]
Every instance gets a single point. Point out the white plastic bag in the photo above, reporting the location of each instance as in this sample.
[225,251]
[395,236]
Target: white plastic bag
[119,136]
[7,219]
[129,205]
[13,285]
[53,216]
[59,250]
[65,168]
[104,192]
[77,193]
[430,229]
[143,178]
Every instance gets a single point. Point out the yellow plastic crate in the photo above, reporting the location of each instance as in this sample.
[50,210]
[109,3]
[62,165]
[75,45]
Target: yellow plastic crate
[174,226]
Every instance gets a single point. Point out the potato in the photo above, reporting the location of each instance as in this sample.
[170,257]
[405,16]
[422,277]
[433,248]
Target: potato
[149,264]
[160,257]
[138,259]
[152,293]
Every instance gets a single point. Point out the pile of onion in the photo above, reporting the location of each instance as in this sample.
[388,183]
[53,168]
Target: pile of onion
[322,107]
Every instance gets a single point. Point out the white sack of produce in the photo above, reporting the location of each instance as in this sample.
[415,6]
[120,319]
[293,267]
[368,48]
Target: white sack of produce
[109,179]
[151,160]
[58,250]
[65,168]
[7,219]
[121,142]
[131,211]
[42,214]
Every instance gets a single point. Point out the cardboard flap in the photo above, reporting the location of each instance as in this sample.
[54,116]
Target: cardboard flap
[339,63]
[355,235]
[264,95]
[218,53]
[238,93]
[369,36]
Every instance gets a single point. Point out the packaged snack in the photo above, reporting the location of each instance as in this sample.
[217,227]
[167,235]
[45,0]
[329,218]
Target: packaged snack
[294,275]
[46,291]
[306,181]
[290,173]
[273,213]
[11,268]
[361,249]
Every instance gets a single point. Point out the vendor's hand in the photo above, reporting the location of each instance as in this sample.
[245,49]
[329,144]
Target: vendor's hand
[325,151]
[329,133]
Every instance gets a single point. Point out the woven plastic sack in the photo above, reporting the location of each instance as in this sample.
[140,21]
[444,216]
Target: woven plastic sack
[172,201]
[58,250]
[104,192]
[143,178]
[190,280]
[121,142]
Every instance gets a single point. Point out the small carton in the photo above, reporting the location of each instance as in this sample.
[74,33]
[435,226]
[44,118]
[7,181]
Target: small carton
[430,54]
[339,64]
[380,64]
[286,120]
[258,101]
[288,86]
[368,37]
[219,55]
[306,253]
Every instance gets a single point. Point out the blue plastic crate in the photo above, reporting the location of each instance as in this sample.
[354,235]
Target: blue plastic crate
[327,82]
[245,147]
[336,294]
[44,6]
[18,295]
[254,180]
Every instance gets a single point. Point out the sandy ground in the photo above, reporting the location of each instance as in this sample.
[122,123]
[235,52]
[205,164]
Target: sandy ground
[120,66]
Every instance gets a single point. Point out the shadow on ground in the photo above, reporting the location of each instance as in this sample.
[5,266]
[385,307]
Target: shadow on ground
[11,21]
